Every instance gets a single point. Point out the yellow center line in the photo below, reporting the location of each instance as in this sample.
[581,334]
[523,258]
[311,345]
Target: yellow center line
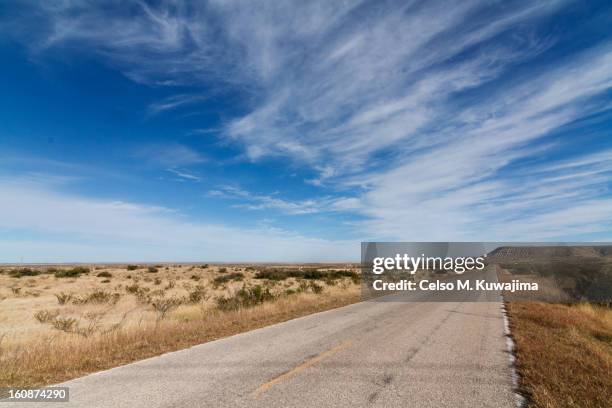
[293,372]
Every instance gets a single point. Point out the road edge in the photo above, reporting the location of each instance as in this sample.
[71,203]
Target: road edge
[520,399]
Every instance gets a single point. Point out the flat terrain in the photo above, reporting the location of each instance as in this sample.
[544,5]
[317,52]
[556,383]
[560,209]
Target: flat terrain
[404,354]
[61,322]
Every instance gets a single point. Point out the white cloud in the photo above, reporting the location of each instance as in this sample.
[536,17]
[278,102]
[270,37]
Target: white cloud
[409,106]
[169,154]
[174,102]
[185,175]
[85,229]
[252,201]
[451,184]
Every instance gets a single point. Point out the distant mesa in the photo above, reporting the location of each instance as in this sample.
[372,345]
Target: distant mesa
[531,252]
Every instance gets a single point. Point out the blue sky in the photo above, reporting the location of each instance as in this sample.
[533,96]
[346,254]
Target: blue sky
[291,131]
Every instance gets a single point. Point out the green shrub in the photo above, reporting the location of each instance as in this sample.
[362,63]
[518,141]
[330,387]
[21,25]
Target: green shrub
[98,296]
[141,293]
[277,274]
[302,286]
[245,297]
[152,269]
[71,273]
[355,278]
[132,267]
[132,288]
[104,275]
[219,280]
[222,270]
[273,274]
[316,288]
[18,273]
[330,281]
[197,295]
[314,274]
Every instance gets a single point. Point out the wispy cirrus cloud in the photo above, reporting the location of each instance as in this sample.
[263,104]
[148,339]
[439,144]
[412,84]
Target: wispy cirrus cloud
[174,102]
[251,201]
[185,175]
[169,155]
[420,114]
[465,180]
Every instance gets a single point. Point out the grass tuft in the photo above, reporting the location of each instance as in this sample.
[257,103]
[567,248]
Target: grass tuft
[63,298]
[46,316]
[65,324]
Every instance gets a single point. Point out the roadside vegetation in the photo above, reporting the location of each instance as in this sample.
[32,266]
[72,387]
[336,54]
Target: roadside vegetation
[564,353]
[278,274]
[61,323]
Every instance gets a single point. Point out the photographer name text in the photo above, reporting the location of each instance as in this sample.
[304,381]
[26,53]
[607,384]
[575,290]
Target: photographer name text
[467,285]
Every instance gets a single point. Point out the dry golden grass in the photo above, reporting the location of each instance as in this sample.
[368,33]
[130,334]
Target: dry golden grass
[45,339]
[564,353]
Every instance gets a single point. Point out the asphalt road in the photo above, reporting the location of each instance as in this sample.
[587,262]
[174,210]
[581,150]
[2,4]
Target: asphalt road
[379,354]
